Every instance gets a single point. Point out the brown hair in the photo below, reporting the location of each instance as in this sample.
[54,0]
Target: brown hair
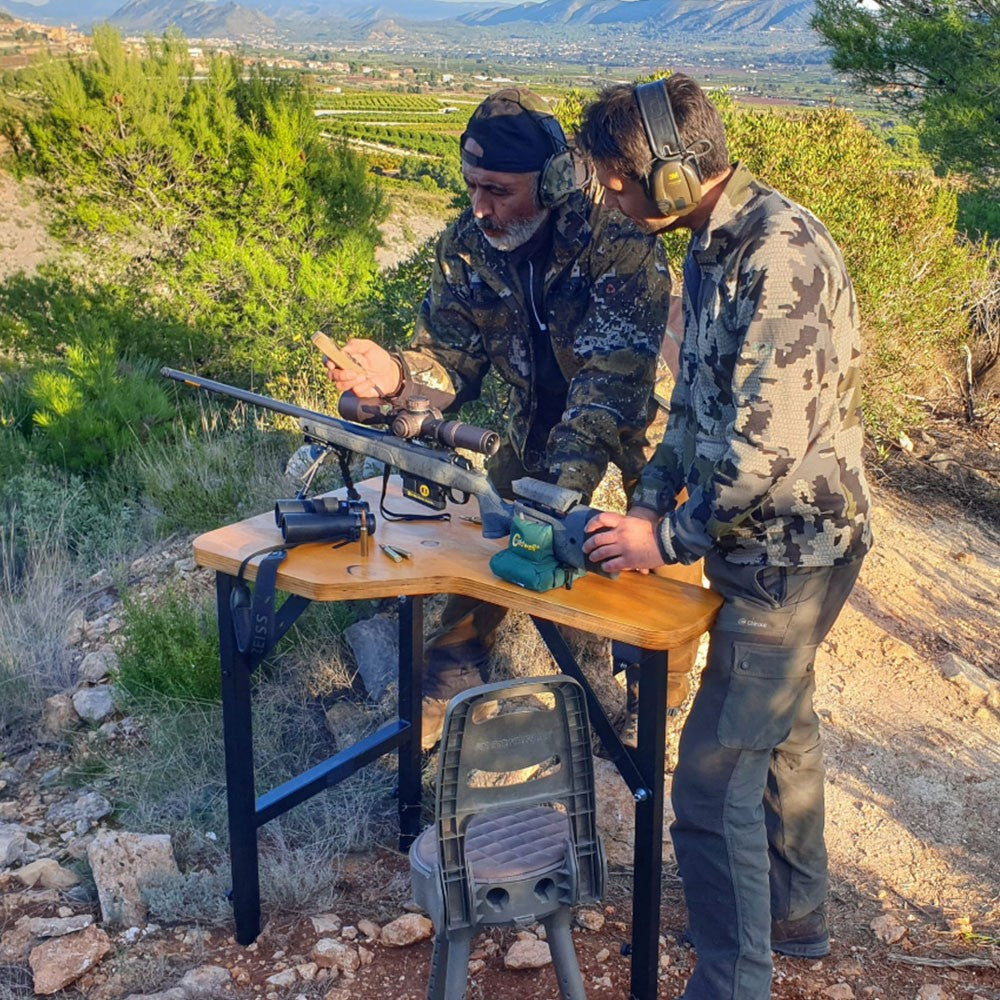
[612,134]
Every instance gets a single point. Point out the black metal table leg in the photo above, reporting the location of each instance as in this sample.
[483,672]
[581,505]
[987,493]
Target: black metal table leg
[238,742]
[411,677]
[649,757]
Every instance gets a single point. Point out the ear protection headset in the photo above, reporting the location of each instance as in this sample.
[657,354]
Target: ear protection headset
[675,180]
[558,178]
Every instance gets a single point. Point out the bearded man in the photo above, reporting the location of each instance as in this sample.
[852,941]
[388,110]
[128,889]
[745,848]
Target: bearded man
[566,301]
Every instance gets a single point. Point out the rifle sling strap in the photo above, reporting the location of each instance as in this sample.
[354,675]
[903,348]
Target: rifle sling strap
[256,626]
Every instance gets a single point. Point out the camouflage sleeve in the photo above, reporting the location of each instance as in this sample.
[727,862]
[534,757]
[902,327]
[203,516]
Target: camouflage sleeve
[446,359]
[663,477]
[609,403]
[783,305]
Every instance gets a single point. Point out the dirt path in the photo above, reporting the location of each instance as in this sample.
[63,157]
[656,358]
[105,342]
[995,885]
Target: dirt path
[24,243]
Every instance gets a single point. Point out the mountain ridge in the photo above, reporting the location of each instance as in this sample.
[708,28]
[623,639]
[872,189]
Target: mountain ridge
[234,19]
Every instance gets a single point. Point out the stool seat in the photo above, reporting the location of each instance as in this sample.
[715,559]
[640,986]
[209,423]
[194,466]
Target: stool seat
[506,844]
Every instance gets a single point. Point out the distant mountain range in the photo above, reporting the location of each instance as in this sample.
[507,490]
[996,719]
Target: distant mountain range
[251,20]
[693,16]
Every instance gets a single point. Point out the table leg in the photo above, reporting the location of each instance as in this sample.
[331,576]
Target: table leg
[411,677]
[649,758]
[238,742]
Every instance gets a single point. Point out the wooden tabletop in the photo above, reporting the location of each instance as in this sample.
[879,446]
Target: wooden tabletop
[452,557]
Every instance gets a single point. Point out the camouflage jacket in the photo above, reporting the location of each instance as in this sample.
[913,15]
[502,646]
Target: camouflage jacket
[764,428]
[606,292]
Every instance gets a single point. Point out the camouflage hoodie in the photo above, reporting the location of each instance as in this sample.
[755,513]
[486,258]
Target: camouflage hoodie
[606,292]
[764,428]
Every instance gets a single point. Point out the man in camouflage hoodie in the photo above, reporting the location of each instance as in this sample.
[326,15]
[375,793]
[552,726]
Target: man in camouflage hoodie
[764,433]
[565,301]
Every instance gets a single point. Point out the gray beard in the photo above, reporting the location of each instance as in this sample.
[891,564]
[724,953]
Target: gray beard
[517,233]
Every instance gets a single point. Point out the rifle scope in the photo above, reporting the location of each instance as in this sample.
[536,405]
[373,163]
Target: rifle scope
[418,419]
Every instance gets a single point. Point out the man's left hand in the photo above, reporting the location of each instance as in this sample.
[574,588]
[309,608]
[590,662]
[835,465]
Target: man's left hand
[619,542]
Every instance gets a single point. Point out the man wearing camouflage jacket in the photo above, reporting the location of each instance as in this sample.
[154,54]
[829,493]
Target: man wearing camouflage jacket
[764,433]
[565,301]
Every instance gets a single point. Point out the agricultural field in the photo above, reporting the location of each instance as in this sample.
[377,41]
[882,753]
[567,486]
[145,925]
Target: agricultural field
[393,128]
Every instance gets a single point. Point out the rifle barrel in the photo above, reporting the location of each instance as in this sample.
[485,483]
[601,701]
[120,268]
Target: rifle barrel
[244,395]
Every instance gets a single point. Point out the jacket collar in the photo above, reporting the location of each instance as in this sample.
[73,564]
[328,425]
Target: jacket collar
[738,190]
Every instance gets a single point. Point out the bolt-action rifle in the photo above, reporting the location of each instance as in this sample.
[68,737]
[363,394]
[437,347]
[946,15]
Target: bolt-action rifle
[421,445]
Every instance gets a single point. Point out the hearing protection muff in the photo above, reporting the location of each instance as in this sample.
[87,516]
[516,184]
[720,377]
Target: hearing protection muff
[558,178]
[560,174]
[674,183]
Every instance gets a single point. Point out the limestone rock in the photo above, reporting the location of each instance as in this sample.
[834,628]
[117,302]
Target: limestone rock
[46,873]
[122,864]
[967,676]
[410,928]
[375,644]
[591,920]
[527,954]
[328,953]
[205,981]
[838,991]
[60,961]
[86,808]
[58,714]
[13,841]
[616,815]
[326,923]
[933,991]
[887,929]
[370,929]
[97,665]
[94,704]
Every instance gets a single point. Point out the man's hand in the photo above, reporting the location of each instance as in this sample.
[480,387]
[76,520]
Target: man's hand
[620,542]
[381,375]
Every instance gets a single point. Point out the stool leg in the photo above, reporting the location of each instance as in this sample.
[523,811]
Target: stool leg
[564,955]
[457,977]
[439,968]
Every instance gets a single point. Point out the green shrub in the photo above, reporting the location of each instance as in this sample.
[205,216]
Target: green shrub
[40,314]
[897,233]
[86,519]
[213,476]
[979,213]
[198,896]
[213,199]
[171,648]
[95,408]
[396,295]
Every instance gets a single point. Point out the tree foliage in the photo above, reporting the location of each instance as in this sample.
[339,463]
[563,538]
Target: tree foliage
[896,229]
[937,61]
[216,196]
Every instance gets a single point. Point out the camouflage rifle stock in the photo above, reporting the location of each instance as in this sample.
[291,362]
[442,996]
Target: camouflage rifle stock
[434,462]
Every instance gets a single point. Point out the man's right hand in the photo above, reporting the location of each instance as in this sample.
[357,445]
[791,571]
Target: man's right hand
[381,376]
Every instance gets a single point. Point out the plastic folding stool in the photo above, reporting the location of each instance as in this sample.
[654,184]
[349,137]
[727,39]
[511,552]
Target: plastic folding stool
[515,837]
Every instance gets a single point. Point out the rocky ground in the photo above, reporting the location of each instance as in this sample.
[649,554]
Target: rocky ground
[909,692]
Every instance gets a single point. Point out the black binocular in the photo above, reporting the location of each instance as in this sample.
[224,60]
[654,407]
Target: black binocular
[323,519]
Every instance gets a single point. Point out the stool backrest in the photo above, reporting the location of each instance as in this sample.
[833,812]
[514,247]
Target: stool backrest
[536,752]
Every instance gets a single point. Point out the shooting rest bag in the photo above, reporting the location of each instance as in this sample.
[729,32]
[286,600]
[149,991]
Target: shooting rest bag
[528,560]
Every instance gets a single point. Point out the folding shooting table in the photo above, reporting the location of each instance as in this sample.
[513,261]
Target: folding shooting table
[644,616]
